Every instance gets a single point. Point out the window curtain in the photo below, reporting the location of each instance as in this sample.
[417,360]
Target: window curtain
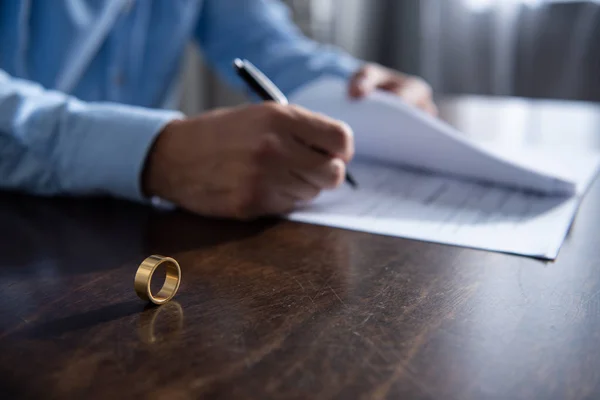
[528,48]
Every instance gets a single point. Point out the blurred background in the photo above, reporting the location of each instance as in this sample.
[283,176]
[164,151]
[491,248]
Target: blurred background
[526,48]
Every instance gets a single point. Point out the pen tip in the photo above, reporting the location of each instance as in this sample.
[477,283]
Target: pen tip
[351,181]
[238,63]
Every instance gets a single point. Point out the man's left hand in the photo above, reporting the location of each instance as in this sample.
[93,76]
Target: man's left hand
[413,90]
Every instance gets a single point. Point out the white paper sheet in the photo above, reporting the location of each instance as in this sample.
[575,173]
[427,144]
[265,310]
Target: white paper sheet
[416,205]
[388,130]
[527,210]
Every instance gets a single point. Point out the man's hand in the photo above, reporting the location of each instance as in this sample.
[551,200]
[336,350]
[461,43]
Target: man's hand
[413,90]
[248,161]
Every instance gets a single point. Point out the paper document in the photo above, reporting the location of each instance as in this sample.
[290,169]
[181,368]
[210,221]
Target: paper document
[420,179]
[388,130]
[415,205]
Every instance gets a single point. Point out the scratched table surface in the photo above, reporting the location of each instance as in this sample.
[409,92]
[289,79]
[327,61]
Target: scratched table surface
[274,309]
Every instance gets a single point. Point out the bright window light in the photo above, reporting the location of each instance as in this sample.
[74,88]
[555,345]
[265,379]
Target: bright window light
[482,5]
[478,5]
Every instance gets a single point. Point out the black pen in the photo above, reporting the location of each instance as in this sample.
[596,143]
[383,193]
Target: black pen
[266,90]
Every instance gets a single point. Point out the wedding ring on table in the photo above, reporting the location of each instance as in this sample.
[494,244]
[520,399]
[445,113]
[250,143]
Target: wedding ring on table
[143,277]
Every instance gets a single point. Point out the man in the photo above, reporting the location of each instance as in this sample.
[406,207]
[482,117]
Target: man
[85,86]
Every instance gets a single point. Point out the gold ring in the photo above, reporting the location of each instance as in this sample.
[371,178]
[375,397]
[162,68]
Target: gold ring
[143,276]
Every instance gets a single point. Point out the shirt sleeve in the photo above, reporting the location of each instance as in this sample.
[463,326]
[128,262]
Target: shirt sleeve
[262,32]
[51,143]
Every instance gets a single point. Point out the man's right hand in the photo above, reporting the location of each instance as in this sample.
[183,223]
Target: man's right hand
[248,161]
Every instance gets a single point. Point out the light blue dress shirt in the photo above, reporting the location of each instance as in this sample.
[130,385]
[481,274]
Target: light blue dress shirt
[86,85]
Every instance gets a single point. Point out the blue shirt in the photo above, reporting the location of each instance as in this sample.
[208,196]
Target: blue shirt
[87,85]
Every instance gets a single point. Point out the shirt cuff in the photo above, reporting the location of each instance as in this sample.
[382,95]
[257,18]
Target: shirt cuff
[110,150]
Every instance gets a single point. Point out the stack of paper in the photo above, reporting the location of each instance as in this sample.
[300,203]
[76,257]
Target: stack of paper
[421,179]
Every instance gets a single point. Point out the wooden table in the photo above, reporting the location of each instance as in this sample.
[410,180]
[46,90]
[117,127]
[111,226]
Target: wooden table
[282,310]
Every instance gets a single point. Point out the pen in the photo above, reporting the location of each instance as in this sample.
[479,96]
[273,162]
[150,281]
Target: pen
[266,90]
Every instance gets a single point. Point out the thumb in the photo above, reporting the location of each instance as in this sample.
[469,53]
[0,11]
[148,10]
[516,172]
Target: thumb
[363,82]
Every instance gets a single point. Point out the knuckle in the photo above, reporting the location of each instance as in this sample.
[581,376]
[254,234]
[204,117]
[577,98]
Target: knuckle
[270,107]
[349,138]
[296,109]
[342,134]
[266,147]
[338,172]
[368,69]
[425,87]
[270,112]
[293,113]
[253,109]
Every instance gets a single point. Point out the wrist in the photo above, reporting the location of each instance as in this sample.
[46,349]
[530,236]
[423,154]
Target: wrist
[156,164]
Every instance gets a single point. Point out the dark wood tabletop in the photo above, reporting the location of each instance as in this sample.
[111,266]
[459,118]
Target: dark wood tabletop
[274,309]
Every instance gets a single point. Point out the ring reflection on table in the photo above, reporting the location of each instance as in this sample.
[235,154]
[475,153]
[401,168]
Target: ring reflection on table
[171,323]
